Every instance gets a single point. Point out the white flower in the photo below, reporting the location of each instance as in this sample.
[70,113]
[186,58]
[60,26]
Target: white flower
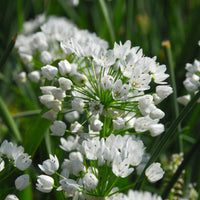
[76,128]
[91,148]
[121,167]
[23,161]
[90,181]
[58,128]
[44,183]
[107,82]
[65,83]
[49,72]
[70,144]
[49,166]
[11,197]
[34,76]
[78,104]
[22,182]
[121,50]
[191,85]
[2,164]
[64,67]
[69,186]
[154,172]
[95,107]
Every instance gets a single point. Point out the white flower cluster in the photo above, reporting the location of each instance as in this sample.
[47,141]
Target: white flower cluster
[16,156]
[191,82]
[135,195]
[105,96]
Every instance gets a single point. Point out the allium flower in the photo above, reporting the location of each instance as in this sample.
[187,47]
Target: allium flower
[23,161]
[154,172]
[11,197]
[22,182]
[44,183]
[49,166]
[90,181]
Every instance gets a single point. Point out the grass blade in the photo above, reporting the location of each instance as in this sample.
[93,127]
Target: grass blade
[36,134]
[8,51]
[9,121]
[108,21]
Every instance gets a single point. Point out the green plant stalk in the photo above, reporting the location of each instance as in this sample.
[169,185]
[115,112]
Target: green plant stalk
[168,135]
[167,46]
[180,169]
[9,121]
[20,14]
[8,51]
[108,21]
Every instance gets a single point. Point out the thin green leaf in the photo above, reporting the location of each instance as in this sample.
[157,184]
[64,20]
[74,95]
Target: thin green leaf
[36,134]
[8,120]
[8,51]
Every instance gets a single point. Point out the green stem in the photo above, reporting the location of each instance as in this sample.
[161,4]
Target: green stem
[27,113]
[9,121]
[108,21]
[8,51]
[167,46]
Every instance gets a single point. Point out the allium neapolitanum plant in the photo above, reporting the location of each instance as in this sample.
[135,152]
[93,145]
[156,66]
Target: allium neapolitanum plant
[100,110]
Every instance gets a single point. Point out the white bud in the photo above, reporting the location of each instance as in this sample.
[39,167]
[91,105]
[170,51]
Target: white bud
[34,76]
[49,72]
[50,115]
[21,77]
[58,93]
[163,91]
[78,104]
[184,100]
[76,128]
[119,123]
[157,114]
[71,116]
[44,99]
[156,129]
[64,67]
[154,172]
[58,128]
[11,197]
[65,83]
[22,182]
[46,57]
[44,183]
[2,164]
[96,125]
